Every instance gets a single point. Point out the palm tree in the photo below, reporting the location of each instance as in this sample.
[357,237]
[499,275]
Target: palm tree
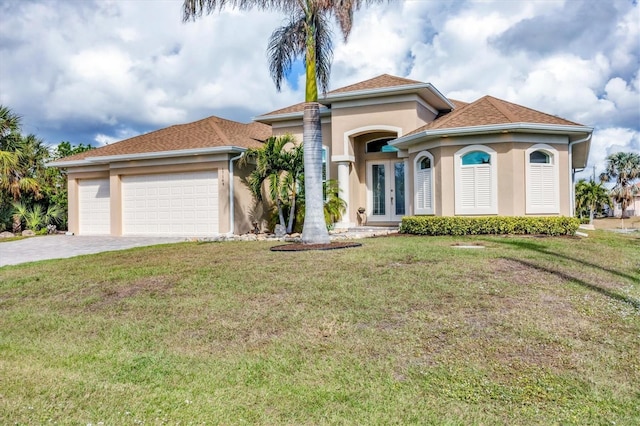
[624,167]
[590,196]
[306,35]
[281,166]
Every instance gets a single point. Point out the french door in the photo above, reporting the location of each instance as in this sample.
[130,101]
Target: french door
[386,201]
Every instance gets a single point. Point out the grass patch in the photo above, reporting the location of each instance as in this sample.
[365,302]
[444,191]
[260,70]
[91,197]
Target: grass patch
[404,329]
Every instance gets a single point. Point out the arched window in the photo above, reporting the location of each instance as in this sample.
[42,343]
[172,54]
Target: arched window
[423,184]
[476,184]
[381,145]
[542,180]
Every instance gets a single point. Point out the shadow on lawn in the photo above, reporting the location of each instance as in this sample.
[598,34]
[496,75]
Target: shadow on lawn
[604,291]
[528,245]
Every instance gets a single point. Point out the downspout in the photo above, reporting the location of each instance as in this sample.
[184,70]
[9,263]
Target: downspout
[572,186]
[232,222]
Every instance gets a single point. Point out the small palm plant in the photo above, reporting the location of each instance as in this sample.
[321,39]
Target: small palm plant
[35,218]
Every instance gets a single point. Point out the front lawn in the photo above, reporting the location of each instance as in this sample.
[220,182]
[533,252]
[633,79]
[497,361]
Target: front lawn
[402,330]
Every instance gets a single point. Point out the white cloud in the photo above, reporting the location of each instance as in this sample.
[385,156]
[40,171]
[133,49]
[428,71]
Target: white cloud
[85,71]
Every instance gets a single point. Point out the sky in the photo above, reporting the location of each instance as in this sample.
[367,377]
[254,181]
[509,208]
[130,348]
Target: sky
[99,71]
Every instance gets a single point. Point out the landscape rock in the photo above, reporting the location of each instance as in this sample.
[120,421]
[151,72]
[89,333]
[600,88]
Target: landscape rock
[28,233]
[7,234]
[280,231]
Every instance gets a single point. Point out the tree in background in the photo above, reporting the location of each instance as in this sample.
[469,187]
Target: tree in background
[624,168]
[307,36]
[30,193]
[591,197]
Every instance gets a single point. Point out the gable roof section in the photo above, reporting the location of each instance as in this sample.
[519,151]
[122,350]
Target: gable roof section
[379,82]
[491,111]
[489,115]
[382,85]
[212,132]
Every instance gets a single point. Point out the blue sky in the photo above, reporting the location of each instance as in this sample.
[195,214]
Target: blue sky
[99,71]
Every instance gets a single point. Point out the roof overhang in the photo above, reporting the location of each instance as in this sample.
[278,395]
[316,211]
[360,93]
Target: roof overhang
[297,115]
[425,90]
[106,159]
[575,133]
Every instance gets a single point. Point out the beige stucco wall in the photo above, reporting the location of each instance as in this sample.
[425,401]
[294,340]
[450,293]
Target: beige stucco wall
[243,201]
[511,181]
[402,116]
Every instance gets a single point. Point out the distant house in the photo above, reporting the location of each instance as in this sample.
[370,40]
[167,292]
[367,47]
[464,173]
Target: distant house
[634,207]
[396,146]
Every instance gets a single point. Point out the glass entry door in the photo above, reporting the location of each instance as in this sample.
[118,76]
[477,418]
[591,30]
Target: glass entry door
[386,190]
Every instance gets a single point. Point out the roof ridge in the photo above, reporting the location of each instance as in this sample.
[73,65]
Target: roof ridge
[213,122]
[453,114]
[499,105]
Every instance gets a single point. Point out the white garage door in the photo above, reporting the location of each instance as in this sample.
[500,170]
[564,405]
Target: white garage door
[93,207]
[175,204]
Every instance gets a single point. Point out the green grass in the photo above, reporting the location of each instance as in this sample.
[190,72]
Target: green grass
[401,330]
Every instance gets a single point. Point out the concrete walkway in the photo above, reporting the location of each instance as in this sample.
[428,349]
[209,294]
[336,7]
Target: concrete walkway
[62,246]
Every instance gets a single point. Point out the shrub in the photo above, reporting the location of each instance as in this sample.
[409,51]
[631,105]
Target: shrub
[499,225]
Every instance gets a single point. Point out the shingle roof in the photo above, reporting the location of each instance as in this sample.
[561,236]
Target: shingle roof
[206,133]
[380,82]
[491,111]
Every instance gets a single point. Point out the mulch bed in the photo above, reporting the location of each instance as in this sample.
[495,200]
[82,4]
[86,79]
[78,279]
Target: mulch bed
[305,247]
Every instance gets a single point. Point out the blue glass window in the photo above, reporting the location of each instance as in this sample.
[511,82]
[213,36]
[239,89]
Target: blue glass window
[476,157]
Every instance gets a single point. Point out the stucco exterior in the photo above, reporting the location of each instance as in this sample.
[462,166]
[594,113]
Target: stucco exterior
[397,147]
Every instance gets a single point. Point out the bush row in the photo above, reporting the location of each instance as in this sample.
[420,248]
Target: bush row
[500,225]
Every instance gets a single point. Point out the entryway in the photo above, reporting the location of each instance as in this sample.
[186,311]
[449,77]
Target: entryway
[386,201]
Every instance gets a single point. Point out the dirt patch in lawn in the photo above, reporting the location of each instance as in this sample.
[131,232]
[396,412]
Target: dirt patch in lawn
[109,295]
[305,247]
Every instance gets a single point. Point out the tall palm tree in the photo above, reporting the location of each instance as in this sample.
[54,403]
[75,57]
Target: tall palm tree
[306,35]
[624,167]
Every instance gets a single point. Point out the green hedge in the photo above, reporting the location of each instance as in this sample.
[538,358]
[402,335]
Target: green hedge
[499,225]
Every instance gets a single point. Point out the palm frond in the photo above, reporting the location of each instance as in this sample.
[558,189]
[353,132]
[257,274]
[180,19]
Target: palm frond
[285,45]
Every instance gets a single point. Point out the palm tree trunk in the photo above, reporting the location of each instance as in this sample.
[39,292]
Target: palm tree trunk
[314,230]
[292,210]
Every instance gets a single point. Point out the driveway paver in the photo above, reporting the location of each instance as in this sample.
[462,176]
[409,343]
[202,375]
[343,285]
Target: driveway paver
[63,246]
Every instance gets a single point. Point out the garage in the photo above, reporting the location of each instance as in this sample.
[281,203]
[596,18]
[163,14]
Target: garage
[94,213]
[173,204]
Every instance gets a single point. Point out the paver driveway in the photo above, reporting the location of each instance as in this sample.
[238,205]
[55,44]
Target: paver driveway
[61,246]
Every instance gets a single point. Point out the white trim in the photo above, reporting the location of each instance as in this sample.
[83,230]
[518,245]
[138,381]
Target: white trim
[150,155]
[458,168]
[553,165]
[492,128]
[431,92]
[528,138]
[367,129]
[341,158]
[416,170]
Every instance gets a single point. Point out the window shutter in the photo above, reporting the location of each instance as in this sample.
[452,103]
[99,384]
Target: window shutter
[542,189]
[483,186]
[424,197]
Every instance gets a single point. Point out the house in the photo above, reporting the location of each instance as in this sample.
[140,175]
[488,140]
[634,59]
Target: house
[396,146]
[634,206]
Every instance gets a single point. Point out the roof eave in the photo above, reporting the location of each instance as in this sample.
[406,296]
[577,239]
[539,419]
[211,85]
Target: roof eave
[431,94]
[147,156]
[406,141]
[270,118]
